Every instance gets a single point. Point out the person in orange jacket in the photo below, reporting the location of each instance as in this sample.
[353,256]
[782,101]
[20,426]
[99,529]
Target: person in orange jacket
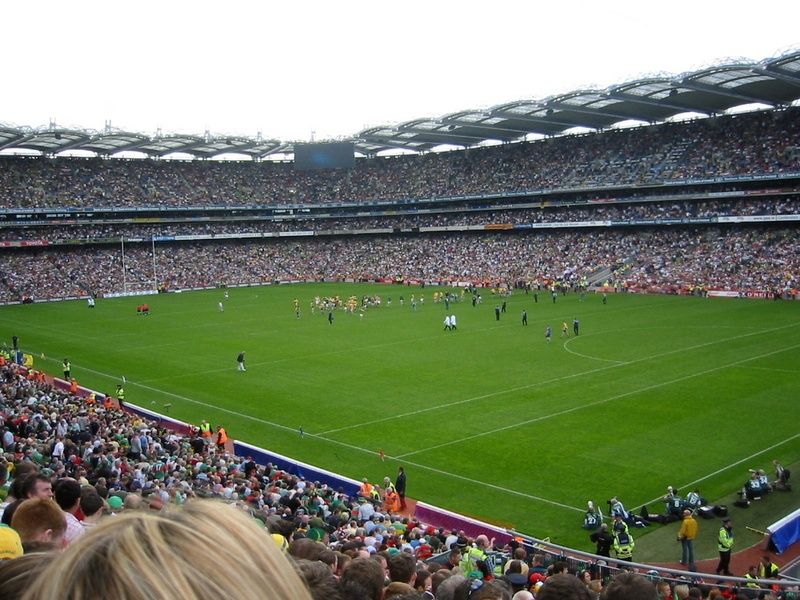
[391,500]
[222,438]
[365,491]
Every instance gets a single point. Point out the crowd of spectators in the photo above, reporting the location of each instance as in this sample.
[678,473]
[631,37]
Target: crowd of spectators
[654,259]
[103,503]
[744,144]
[454,218]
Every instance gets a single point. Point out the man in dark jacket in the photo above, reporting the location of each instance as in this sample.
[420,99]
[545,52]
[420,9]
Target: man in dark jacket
[603,540]
[400,487]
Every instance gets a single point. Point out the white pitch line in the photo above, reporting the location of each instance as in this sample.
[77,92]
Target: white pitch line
[548,381]
[793,372]
[730,466]
[591,404]
[622,362]
[489,485]
[618,362]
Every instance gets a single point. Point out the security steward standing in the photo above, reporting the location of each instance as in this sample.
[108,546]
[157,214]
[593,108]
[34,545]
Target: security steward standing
[623,540]
[724,545]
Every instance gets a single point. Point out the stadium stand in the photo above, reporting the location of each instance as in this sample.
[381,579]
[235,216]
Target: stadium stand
[665,202]
[657,260]
[735,145]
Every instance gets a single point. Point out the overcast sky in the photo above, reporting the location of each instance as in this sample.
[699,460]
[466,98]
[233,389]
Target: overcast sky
[289,68]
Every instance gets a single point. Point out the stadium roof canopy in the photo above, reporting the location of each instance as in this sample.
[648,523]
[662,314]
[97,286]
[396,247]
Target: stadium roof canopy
[773,82]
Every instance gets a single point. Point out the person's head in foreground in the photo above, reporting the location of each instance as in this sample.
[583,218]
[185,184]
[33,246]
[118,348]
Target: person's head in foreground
[206,550]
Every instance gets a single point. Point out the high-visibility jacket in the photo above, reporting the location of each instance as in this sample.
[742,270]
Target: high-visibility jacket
[469,564]
[222,436]
[768,572]
[205,429]
[623,544]
[725,541]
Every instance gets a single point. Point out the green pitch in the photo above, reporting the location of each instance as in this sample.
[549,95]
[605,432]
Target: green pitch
[489,420]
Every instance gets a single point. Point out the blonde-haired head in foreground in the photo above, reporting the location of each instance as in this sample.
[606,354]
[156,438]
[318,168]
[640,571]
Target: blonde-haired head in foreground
[206,550]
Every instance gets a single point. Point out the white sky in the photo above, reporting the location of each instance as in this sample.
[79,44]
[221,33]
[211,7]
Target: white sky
[287,68]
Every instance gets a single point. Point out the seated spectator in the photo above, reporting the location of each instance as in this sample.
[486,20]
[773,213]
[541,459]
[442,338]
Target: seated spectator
[537,564]
[439,577]
[752,577]
[454,558]
[563,587]
[32,485]
[362,579]
[10,543]
[516,575]
[148,556]
[481,589]
[91,507]
[396,589]
[767,569]
[517,559]
[320,581]
[68,498]
[664,590]
[40,523]
[423,583]
[453,587]
[402,567]
[629,586]
[18,574]
[681,591]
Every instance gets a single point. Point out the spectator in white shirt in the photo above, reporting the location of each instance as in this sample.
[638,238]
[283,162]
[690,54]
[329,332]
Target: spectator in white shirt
[68,498]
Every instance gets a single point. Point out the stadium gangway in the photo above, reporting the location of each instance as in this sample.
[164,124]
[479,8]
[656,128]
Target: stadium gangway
[648,570]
